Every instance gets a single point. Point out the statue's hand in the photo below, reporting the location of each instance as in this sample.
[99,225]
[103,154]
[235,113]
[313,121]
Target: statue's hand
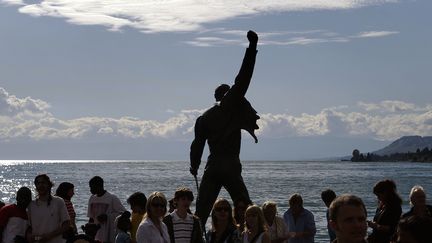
[252,36]
[193,171]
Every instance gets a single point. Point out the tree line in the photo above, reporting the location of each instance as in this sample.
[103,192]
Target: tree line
[421,155]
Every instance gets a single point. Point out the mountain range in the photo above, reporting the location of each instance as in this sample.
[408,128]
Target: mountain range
[406,144]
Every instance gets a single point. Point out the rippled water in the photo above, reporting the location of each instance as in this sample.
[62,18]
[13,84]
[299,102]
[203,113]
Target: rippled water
[270,180]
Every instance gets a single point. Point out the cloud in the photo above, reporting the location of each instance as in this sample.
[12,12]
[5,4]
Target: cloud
[374,34]
[28,118]
[172,15]
[220,37]
[391,106]
[13,2]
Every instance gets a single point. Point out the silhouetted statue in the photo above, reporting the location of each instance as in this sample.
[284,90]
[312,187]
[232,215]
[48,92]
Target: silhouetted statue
[221,126]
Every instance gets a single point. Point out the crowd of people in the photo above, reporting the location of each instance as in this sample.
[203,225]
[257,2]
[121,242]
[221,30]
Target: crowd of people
[51,218]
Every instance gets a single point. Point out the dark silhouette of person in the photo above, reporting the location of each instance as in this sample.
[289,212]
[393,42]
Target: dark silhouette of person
[221,126]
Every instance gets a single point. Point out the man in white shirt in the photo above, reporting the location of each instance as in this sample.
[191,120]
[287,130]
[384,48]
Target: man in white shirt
[103,208]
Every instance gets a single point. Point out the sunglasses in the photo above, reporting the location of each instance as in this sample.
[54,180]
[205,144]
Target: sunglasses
[220,209]
[158,205]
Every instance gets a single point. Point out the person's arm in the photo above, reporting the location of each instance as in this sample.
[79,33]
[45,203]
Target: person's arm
[117,207]
[197,146]
[243,78]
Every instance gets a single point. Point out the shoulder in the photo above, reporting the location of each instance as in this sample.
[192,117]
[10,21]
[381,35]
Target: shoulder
[308,213]
[57,199]
[8,208]
[145,224]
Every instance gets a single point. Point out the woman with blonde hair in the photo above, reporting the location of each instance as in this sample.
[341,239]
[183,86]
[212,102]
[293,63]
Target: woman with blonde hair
[224,229]
[152,229]
[255,226]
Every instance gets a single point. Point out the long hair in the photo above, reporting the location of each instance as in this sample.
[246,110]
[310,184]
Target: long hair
[256,211]
[388,188]
[63,189]
[49,182]
[219,203]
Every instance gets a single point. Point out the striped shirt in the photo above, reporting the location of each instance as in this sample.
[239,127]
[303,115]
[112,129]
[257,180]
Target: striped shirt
[182,227]
[70,208]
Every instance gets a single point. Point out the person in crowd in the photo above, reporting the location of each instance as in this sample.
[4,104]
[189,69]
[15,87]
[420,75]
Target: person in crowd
[103,208]
[221,127]
[152,229]
[183,226]
[348,216]
[276,225]
[171,205]
[414,229]
[123,227]
[66,191]
[328,196]
[240,206]
[300,221]
[13,217]
[255,226]
[419,207]
[224,229]
[137,202]
[90,230]
[48,215]
[387,214]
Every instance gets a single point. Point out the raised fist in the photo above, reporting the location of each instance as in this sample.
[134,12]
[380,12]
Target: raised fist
[252,36]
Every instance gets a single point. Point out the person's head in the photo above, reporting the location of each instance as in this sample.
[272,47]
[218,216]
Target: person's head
[137,202]
[254,219]
[417,196]
[171,205]
[43,185]
[65,190]
[220,91]
[156,206]
[222,211]
[386,192]
[328,196]
[348,215]
[123,222]
[90,229]
[96,185]
[183,198]
[269,209]
[23,197]
[296,204]
[414,229]
[240,206]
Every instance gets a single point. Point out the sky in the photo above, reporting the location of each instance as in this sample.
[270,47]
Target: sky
[126,79]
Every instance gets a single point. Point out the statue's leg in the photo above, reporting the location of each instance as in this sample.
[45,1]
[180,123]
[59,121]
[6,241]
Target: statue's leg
[208,192]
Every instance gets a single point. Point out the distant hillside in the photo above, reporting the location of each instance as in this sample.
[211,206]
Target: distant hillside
[406,144]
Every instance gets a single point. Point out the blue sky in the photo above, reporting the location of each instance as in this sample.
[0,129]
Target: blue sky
[126,79]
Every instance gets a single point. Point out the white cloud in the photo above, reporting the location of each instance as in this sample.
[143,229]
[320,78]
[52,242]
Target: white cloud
[28,118]
[173,15]
[391,106]
[219,37]
[13,2]
[374,34]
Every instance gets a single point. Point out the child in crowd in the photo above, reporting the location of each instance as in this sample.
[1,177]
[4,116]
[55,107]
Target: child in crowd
[123,226]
